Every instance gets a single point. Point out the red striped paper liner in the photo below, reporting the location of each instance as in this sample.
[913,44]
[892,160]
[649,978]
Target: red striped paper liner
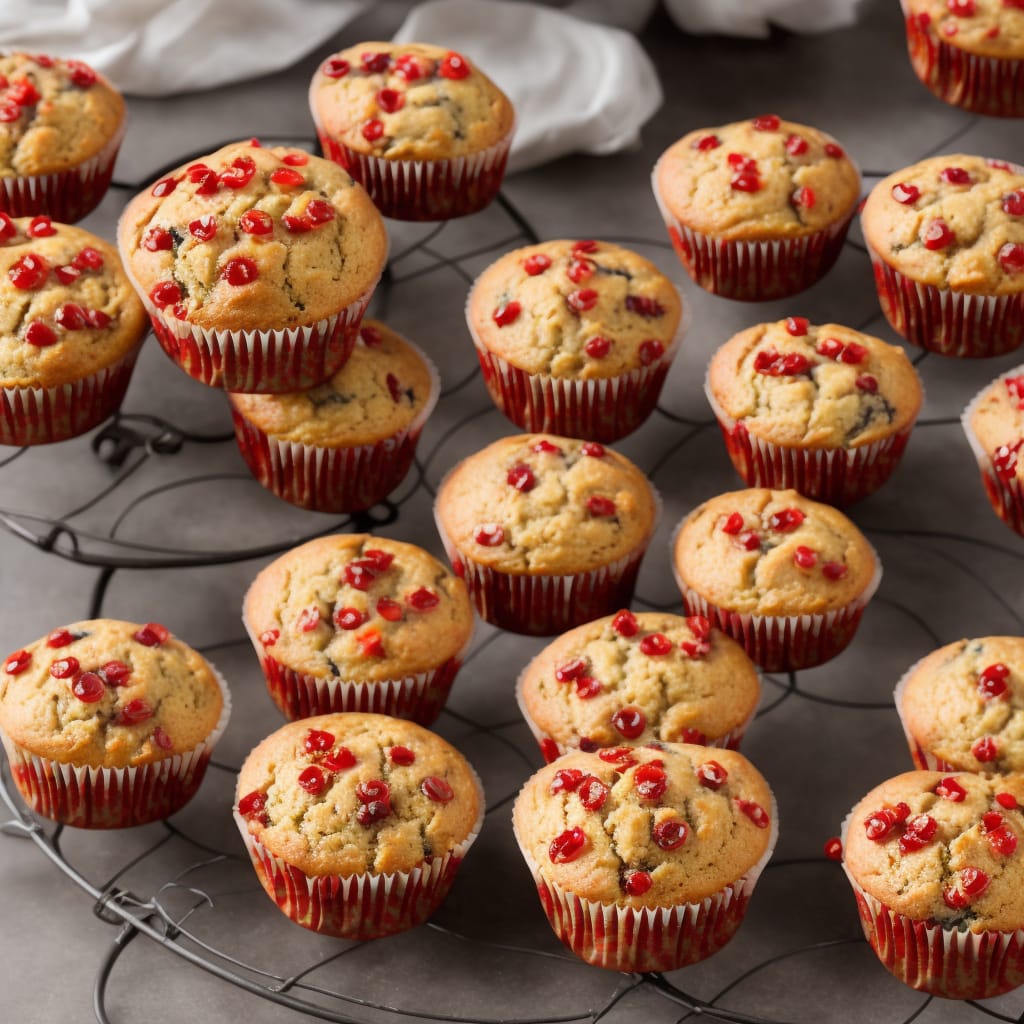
[946,962]
[341,478]
[113,797]
[980,84]
[839,476]
[753,271]
[31,415]
[362,906]
[550,748]
[1005,496]
[68,195]
[945,321]
[543,604]
[648,938]
[422,189]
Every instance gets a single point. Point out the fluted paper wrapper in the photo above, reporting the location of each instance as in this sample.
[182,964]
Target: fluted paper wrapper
[648,938]
[922,758]
[113,797]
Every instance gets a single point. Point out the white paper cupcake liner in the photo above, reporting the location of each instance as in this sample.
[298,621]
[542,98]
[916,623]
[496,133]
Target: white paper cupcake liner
[922,758]
[114,797]
[648,938]
[66,196]
[362,906]
[839,476]
[31,415]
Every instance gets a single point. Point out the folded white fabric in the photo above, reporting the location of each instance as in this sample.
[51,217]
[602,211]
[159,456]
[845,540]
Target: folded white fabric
[159,47]
[577,86]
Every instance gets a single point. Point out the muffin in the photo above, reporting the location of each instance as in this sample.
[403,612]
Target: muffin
[939,881]
[946,238]
[70,330]
[356,824]
[756,209]
[61,125]
[994,425]
[575,337]
[349,442]
[970,53]
[962,706]
[548,532]
[255,265]
[645,859]
[824,409]
[639,678]
[108,723]
[787,577]
[421,127]
[352,622]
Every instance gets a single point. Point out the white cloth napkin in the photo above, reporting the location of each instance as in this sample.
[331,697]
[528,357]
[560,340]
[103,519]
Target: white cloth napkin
[577,86]
[160,47]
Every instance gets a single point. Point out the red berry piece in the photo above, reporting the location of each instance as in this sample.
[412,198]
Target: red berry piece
[834,151]
[373,789]
[338,760]
[156,239]
[834,848]
[134,712]
[629,722]
[571,671]
[1011,257]
[394,387]
[567,846]
[831,348]
[401,756]
[240,270]
[204,178]
[746,181]
[437,789]
[489,535]
[423,600]
[371,644]
[115,673]
[796,145]
[797,326]
[592,449]
[88,259]
[287,177]
[256,222]
[706,143]
[587,688]
[82,75]
[985,749]
[636,883]
[8,229]
[374,811]
[269,637]
[506,313]
[644,306]
[834,571]
[937,234]
[204,228]
[252,803]
[582,299]
[919,832]
[29,272]
[24,93]
[566,780]
[390,100]
[650,782]
[955,176]
[161,739]
[949,789]
[905,193]
[454,66]
[371,336]
[670,834]
[579,270]
[164,294]
[650,351]
[695,649]
[961,8]
[1007,801]
[592,793]
[879,825]
[9,112]
[408,67]
[521,477]
[88,688]
[40,335]
[536,264]
[240,173]
[389,609]
[749,540]
[766,123]
[40,227]
[152,634]
[804,198]
[67,274]
[712,775]
[754,811]
[733,524]
[377,560]
[774,364]
[375,62]
[853,353]
[1004,460]
[60,638]
[992,680]
[1013,203]
[17,662]
[64,668]
[621,757]
[308,620]
[318,741]
[625,624]
[545,447]
[600,506]
[296,159]
[164,187]
[786,520]
[655,645]
[805,557]
[971,883]
[349,618]
[585,245]
[319,211]
[312,780]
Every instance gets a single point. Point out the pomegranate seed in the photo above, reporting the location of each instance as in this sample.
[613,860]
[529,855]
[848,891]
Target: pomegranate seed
[629,722]
[670,834]
[437,789]
[706,143]
[489,535]
[973,881]
[152,634]
[401,755]
[699,626]
[622,757]
[9,112]
[164,294]
[521,477]
[579,270]
[955,176]
[920,831]
[318,741]
[536,264]
[834,151]
[592,793]
[39,334]
[156,239]
[319,211]
[1011,257]
[651,350]
[834,571]
[644,306]
[252,803]
[879,825]
[240,173]
[134,712]
[797,326]
[296,159]
[549,750]
[597,347]
[600,506]
[796,145]
[161,739]
[17,662]
[423,600]
[834,848]
[88,259]
[625,624]
[374,63]
[775,364]
[992,680]
[585,245]
[88,688]
[394,388]
[389,609]
[256,222]
[592,449]
[287,177]
[853,353]
[1007,800]
[695,736]
[81,74]
[64,668]
[1013,203]
[567,846]
[371,644]
[831,348]
[985,749]
[372,129]
[115,673]
[240,270]
[373,789]
[308,620]
[164,187]
[766,123]
[376,810]
[961,8]
[712,775]
[587,688]
[390,100]
[60,638]
[937,235]
[637,883]
[950,789]
[507,313]
[67,274]
[805,198]
[40,227]
[377,560]
[349,618]
[954,898]
[8,229]
[695,650]
[545,447]
[805,557]
[312,780]
[338,760]
[97,318]
[749,540]
[786,520]
[1004,460]
[408,67]
[746,181]
[582,299]
[269,637]
[650,782]
[655,644]
[371,336]
[454,66]
[571,670]
[204,228]
[754,811]
[905,193]
[29,272]
[24,93]
[566,780]
[733,524]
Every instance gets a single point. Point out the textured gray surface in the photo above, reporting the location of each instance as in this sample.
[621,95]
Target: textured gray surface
[951,570]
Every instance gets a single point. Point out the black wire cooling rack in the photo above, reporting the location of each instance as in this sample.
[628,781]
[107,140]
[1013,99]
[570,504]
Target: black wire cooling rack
[822,737]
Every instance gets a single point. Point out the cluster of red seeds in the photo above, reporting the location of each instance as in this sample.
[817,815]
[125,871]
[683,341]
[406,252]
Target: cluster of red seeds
[19,92]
